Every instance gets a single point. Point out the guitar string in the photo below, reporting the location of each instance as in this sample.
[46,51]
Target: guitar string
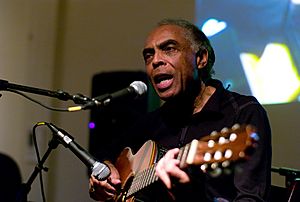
[147,176]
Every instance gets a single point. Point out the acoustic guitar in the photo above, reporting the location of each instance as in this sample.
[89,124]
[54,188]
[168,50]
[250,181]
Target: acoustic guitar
[211,153]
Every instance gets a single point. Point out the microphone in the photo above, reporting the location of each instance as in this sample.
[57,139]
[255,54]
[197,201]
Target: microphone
[99,170]
[135,90]
[286,171]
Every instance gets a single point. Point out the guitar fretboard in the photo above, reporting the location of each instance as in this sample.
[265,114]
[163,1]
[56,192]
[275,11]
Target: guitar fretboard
[147,177]
[142,180]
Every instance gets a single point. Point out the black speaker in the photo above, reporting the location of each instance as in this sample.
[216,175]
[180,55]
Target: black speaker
[107,124]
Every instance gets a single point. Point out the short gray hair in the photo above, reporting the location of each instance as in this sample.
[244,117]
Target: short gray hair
[199,43]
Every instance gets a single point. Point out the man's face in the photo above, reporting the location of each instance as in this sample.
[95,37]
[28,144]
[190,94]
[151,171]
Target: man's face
[170,61]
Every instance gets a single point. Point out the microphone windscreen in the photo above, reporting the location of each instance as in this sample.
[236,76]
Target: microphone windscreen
[139,87]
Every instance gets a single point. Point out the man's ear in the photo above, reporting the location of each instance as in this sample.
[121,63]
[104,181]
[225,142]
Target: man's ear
[201,58]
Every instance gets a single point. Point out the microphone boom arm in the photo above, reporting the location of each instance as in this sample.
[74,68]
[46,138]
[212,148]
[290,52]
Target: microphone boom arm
[61,95]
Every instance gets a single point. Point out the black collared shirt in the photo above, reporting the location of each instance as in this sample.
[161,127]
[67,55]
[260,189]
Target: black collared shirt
[248,180]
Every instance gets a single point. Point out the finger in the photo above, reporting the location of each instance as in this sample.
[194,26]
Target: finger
[176,175]
[174,171]
[168,170]
[99,195]
[171,154]
[164,168]
[179,175]
[103,186]
[114,181]
[164,177]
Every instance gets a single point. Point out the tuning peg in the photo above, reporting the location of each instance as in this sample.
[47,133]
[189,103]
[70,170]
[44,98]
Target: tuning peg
[214,165]
[236,126]
[224,130]
[242,154]
[203,167]
[207,157]
[228,153]
[222,140]
[211,143]
[213,133]
[215,172]
[232,137]
[225,164]
[218,155]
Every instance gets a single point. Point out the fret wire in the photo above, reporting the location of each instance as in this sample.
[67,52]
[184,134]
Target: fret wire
[147,177]
[152,174]
[142,180]
[132,184]
[138,184]
[136,181]
[155,177]
[184,155]
[180,153]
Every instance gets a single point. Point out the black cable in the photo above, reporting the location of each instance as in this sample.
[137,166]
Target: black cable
[39,158]
[37,102]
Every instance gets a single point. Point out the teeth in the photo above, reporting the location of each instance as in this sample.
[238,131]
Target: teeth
[162,77]
[164,81]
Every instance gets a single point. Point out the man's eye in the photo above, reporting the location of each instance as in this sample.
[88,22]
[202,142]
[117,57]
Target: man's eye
[169,49]
[147,56]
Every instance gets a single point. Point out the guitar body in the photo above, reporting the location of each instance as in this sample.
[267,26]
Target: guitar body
[129,164]
[137,171]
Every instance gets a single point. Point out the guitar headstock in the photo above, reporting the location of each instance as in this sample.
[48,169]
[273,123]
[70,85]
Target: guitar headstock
[222,148]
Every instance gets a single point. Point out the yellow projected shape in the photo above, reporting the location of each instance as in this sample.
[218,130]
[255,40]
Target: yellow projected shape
[273,78]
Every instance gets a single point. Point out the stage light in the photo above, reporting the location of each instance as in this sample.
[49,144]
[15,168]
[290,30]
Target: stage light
[92,125]
[213,26]
[296,2]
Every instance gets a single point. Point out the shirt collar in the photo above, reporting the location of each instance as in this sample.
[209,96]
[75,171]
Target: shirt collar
[214,102]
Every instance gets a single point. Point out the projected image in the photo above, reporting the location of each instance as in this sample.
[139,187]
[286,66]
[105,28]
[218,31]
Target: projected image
[257,45]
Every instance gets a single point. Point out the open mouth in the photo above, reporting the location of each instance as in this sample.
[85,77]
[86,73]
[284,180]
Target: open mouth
[163,81]
[162,77]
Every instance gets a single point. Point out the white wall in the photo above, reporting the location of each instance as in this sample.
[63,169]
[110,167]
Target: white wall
[61,44]
[27,44]
[285,125]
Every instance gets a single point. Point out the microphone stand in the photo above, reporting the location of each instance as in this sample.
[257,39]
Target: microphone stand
[25,187]
[54,142]
[77,98]
[292,178]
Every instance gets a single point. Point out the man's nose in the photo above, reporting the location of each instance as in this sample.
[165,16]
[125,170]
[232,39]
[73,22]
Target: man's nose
[158,60]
